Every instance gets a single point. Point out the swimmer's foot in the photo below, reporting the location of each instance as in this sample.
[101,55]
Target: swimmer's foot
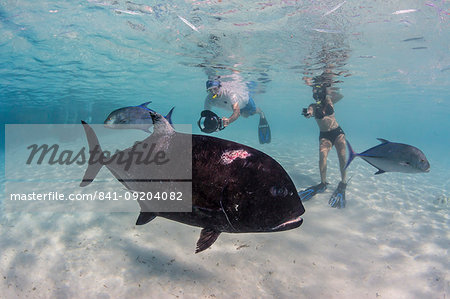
[309,192]
[264,131]
[337,200]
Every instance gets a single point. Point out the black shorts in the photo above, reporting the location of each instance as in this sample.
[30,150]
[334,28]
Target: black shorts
[331,135]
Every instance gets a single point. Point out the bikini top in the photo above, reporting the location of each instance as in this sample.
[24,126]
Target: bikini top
[321,111]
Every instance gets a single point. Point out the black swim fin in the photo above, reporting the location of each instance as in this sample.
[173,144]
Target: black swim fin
[264,131]
[308,193]
[337,199]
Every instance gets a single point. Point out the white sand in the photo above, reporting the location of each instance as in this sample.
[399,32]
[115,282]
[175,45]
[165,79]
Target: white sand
[392,241]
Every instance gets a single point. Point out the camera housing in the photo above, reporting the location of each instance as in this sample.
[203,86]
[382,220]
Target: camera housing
[305,112]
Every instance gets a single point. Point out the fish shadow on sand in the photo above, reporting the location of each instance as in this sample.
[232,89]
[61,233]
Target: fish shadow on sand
[147,263]
[87,240]
[142,260]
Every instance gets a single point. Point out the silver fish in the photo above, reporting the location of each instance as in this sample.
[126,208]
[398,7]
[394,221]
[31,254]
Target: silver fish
[392,157]
[133,117]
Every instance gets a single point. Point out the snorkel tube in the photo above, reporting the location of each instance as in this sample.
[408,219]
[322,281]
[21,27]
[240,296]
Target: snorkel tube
[213,84]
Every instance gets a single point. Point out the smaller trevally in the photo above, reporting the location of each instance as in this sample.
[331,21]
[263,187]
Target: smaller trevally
[392,157]
[133,117]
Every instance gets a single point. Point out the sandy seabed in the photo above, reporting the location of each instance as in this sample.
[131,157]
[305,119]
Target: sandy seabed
[391,241]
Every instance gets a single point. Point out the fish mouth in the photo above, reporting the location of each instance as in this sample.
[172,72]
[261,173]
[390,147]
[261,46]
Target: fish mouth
[290,224]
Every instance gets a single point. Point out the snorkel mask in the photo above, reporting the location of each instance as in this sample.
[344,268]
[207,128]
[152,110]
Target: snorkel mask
[320,92]
[210,122]
[213,87]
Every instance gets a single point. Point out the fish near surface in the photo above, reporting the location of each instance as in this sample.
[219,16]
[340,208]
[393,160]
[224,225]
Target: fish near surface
[235,188]
[392,157]
[133,117]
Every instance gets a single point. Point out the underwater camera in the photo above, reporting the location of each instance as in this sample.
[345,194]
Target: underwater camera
[209,122]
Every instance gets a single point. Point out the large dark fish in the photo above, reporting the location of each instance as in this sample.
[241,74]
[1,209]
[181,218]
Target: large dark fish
[133,117]
[392,157]
[235,188]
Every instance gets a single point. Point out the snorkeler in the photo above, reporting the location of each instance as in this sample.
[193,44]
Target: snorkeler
[231,95]
[330,134]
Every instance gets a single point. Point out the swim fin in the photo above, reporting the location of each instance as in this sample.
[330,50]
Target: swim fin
[337,199]
[264,131]
[311,191]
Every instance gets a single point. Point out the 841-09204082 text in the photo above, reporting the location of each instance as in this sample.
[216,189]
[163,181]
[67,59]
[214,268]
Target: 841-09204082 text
[98,195]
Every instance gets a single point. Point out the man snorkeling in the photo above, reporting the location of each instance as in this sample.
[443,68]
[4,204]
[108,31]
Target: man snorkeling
[234,96]
[330,134]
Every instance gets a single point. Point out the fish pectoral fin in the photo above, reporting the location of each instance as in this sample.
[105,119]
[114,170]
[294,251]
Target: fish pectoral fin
[145,217]
[380,171]
[207,237]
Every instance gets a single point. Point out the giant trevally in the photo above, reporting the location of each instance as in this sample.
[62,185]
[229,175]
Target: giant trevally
[133,117]
[392,157]
[235,188]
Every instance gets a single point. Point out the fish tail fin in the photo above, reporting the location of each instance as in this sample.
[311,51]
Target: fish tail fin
[169,116]
[351,154]
[94,165]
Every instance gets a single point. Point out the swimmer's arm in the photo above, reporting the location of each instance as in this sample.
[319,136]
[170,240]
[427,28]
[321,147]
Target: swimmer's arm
[307,80]
[234,116]
[336,97]
[328,98]
[310,111]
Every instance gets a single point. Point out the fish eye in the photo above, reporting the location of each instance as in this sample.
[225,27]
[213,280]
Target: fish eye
[278,191]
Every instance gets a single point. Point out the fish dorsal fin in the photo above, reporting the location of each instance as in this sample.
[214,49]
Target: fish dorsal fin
[169,116]
[207,237]
[383,140]
[145,217]
[160,125]
[144,105]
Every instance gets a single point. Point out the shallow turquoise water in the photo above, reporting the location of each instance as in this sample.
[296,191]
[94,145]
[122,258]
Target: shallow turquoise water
[66,61]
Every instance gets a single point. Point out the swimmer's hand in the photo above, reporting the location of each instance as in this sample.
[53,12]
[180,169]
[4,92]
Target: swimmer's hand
[305,113]
[225,122]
